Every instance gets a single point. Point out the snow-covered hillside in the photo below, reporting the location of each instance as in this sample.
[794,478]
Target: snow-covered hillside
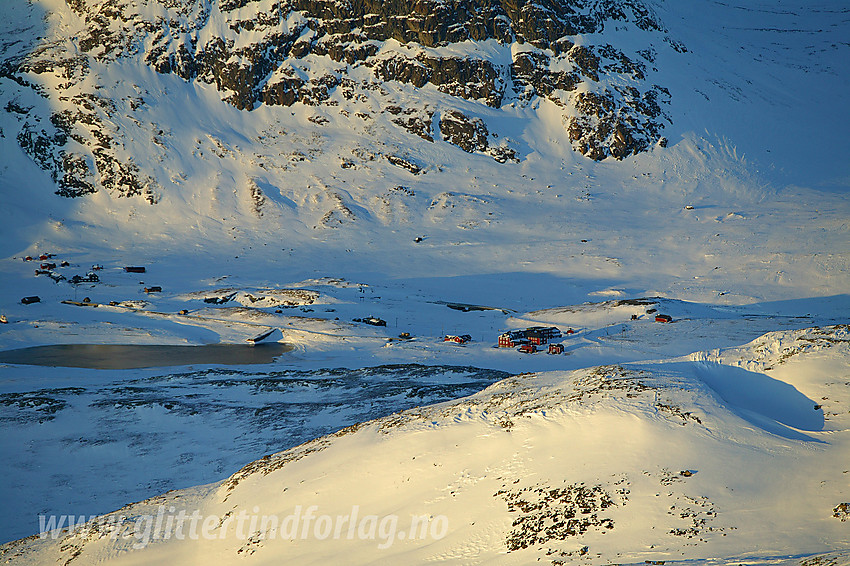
[680,460]
[343,180]
[102,99]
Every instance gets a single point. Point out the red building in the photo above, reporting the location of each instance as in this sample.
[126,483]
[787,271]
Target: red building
[536,335]
[512,339]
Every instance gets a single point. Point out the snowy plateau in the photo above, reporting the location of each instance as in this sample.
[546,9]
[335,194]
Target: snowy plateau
[257,257]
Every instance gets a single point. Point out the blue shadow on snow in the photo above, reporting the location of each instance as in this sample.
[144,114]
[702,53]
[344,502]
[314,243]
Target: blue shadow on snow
[771,405]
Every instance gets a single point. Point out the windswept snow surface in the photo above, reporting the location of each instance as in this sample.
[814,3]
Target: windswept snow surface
[300,219]
[659,461]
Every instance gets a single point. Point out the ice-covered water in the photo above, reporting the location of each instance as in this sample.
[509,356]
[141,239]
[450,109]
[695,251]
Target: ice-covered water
[131,356]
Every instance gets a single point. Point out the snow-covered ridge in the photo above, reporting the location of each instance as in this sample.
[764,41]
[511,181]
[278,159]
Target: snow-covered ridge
[776,348]
[608,464]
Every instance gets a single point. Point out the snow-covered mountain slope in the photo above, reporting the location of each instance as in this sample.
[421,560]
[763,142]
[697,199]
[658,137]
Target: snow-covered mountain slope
[345,135]
[695,460]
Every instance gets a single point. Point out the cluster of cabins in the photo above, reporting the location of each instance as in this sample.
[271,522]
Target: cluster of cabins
[47,267]
[529,339]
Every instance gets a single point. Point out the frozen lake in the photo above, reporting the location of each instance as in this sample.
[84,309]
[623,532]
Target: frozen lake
[132,356]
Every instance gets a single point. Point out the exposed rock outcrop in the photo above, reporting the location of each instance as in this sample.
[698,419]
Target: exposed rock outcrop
[259,53]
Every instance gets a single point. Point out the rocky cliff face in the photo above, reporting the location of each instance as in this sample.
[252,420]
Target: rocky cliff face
[260,52]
